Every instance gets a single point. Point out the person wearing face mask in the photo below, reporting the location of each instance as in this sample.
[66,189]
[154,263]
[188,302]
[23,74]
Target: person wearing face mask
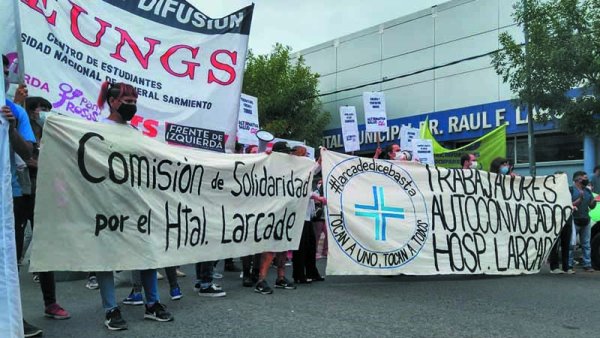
[583,201]
[121,100]
[468,161]
[501,165]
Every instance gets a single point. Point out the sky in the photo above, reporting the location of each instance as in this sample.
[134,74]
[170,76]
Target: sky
[304,23]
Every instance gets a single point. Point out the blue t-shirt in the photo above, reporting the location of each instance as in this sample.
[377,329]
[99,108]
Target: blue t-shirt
[24,129]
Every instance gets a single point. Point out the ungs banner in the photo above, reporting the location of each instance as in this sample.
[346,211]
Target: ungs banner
[110,199]
[389,217]
[186,67]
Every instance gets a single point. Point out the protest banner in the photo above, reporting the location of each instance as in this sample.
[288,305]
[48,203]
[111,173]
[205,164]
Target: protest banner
[110,199]
[394,217]
[486,148]
[349,128]
[187,67]
[248,120]
[10,297]
[375,115]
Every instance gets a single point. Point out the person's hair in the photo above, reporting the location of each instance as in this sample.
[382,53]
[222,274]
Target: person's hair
[385,155]
[250,147]
[497,163]
[596,168]
[578,174]
[33,102]
[299,151]
[239,148]
[115,90]
[5,61]
[464,158]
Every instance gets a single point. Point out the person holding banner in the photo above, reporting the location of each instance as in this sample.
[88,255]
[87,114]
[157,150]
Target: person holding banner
[304,259]
[583,202]
[262,286]
[469,161]
[122,99]
[21,141]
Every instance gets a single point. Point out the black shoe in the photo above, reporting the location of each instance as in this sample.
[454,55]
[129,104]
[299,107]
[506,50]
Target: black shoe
[283,283]
[114,321]
[263,288]
[158,312]
[302,281]
[247,281]
[30,330]
[231,267]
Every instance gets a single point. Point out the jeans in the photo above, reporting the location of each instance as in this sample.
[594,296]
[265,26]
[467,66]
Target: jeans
[584,239]
[106,282]
[204,273]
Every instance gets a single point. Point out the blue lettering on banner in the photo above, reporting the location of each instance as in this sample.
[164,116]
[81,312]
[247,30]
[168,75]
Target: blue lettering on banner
[449,125]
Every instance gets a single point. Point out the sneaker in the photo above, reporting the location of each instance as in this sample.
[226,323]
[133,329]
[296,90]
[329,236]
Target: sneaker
[134,298]
[159,276]
[283,283]
[217,275]
[176,293]
[557,271]
[55,311]
[288,263]
[263,288]
[92,283]
[212,291]
[570,271]
[158,312]
[588,269]
[180,273]
[36,277]
[114,321]
[197,286]
[30,330]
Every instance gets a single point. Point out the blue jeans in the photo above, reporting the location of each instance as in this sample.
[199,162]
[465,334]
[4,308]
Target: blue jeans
[584,239]
[106,282]
[204,273]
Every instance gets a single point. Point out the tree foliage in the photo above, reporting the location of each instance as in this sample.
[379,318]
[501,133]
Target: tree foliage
[562,54]
[287,95]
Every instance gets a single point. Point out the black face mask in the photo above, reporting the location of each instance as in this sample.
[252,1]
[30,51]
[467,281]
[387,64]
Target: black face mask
[584,182]
[127,111]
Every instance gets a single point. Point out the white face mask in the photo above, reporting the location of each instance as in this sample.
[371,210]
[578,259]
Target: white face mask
[473,165]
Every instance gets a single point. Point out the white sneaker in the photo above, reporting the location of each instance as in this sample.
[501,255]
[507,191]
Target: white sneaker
[557,271]
[180,273]
[217,275]
[571,272]
[159,276]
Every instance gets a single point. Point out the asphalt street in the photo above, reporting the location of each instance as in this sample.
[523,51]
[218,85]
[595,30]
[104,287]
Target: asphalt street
[541,305]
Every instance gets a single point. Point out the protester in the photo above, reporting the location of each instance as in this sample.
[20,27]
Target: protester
[583,201]
[319,223]
[564,243]
[250,263]
[469,161]
[304,259]
[595,181]
[22,139]
[121,100]
[204,281]
[262,286]
[500,165]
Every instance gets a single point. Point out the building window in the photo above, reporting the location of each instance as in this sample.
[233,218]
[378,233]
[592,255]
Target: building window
[548,148]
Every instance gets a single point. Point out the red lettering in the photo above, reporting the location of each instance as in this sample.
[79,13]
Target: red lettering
[33,4]
[135,120]
[125,37]
[150,127]
[222,66]
[191,66]
[75,13]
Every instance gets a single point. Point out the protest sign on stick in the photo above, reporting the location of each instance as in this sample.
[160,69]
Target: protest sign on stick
[349,128]
[375,114]
[248,120]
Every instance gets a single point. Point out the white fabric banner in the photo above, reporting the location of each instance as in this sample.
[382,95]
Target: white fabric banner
[422,151]
[349,128]
[375,114]
[407,134]
[248,120]
[111,199]
[186,67]
[11,325]
[389,218]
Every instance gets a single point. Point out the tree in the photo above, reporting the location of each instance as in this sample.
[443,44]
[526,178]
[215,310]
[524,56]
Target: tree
[287,95]
[562,54]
